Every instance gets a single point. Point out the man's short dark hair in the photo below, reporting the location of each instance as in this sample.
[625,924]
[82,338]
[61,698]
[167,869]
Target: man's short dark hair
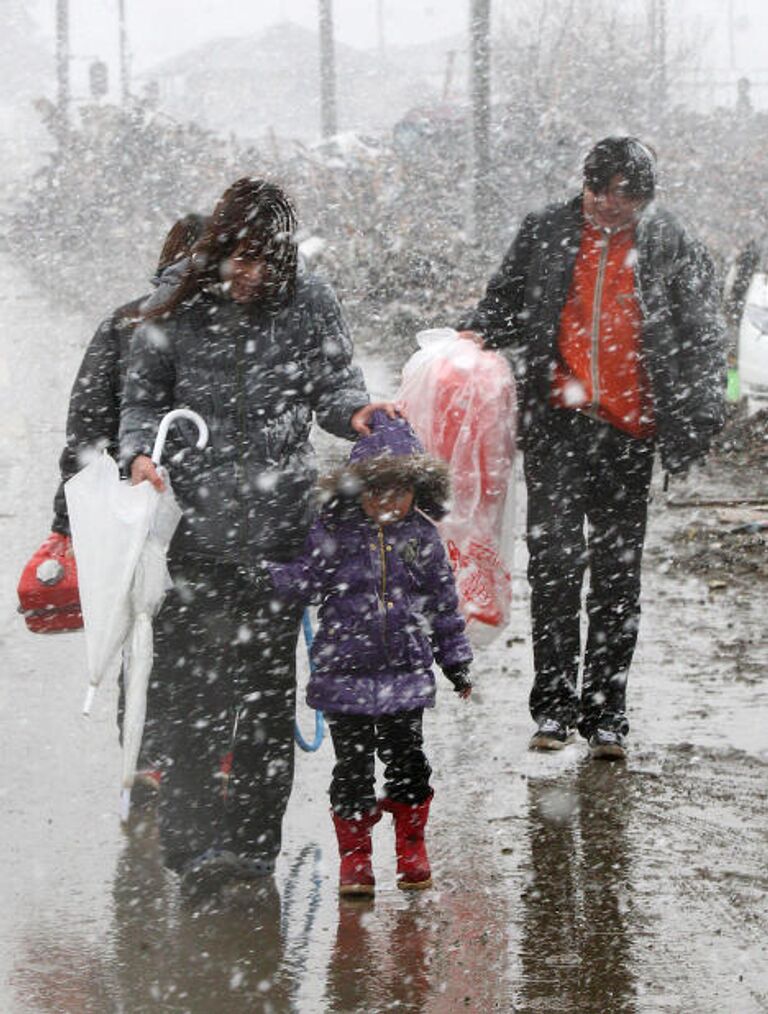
[627,157]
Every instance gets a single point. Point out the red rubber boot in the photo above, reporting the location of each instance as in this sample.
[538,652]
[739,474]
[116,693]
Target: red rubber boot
[413,871]
[355,847]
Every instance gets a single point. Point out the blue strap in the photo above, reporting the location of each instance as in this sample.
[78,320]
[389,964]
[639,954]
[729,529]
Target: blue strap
[306,624]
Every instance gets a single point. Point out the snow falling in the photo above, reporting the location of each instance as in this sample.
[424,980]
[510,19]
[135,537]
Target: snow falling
[412,142]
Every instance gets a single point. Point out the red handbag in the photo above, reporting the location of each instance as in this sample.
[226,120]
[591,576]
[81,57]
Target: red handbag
[48,594]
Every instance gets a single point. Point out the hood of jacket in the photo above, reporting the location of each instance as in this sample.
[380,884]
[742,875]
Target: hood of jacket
[391,457]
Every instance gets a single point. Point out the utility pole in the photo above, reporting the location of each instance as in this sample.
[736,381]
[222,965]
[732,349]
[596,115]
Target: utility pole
[450,62]
[731,37]
[125,81]
[62,67]
[657,18]
[380,29]
[480,89]
[328,122]
[662,54]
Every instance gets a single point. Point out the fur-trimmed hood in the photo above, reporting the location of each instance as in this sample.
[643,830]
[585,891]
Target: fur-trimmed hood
[392,457]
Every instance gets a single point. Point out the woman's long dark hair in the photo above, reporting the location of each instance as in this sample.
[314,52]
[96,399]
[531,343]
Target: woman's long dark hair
[257,219]
[181,237]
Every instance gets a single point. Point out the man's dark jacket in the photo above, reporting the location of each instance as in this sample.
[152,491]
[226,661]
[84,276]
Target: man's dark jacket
[682,335]
[257,378]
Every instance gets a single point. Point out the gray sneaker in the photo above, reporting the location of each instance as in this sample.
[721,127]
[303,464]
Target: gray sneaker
[216,868]
[550,735]
[607,744]
[207,873]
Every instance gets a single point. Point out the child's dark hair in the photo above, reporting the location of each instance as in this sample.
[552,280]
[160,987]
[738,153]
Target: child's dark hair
[627,157]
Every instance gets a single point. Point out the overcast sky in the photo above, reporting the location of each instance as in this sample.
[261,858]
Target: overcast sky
[162,28]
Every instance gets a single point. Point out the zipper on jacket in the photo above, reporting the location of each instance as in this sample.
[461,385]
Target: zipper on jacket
[596,307]
[383,587]
[241,409]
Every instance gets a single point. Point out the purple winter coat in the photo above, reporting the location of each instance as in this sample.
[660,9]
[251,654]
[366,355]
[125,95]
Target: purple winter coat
[388,603]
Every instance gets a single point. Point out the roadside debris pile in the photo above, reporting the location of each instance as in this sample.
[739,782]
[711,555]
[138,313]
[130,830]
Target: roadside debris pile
[723,537]
[744,441]
[722,545]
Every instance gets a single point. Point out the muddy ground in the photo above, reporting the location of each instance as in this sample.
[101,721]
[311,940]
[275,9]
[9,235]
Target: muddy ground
[561,884]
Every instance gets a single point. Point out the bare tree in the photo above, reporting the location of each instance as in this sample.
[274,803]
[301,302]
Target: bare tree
[328,118]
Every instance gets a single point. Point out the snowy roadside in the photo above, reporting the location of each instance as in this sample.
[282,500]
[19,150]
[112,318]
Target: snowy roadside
[560,884]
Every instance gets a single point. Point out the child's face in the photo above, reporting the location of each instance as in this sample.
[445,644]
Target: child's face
[388,505]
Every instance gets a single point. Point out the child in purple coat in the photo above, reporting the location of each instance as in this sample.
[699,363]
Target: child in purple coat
[388,608]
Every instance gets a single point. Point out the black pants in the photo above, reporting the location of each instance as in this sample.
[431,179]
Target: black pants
[228,660]
[399,742]
[588,489]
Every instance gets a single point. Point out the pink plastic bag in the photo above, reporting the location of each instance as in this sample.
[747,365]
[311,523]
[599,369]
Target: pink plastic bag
[461,402]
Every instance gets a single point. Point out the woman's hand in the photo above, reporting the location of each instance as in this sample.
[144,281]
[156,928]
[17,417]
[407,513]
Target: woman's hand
[361,418]
[142,468]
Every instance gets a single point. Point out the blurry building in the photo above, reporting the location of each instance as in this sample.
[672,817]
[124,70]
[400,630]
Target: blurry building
[269,83]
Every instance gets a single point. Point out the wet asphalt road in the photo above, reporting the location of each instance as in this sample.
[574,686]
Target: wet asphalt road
[562,884]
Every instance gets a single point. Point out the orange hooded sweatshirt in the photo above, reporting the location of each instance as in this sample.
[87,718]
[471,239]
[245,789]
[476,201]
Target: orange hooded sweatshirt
[600,370]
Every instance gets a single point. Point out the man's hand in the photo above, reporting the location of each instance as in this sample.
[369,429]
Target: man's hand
[472,336]
[142,468]
[361,418]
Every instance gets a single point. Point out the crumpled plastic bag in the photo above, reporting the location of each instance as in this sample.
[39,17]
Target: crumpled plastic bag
[461,401]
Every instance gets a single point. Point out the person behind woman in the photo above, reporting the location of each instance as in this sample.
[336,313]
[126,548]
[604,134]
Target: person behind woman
[93,416]
[93,420]
[388,606]
[258,348]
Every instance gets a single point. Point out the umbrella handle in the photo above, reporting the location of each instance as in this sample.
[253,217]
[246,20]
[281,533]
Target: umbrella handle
[308,747]
[165,422]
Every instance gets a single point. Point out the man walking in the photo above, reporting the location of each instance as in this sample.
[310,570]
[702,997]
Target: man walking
[610,308]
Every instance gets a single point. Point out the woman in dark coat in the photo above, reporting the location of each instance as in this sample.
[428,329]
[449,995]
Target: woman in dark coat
[258,348]
[388,609]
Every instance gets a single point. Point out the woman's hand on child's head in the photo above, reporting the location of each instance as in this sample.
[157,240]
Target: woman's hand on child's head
[361,418]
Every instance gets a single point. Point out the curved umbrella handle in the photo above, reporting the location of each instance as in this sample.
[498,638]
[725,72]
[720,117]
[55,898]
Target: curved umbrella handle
[309,747]
[172,416]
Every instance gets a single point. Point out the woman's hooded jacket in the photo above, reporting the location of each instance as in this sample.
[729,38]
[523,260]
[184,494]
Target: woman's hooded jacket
[388,603]
[257,376]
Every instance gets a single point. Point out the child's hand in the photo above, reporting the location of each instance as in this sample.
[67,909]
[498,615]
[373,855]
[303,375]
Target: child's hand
[459,676]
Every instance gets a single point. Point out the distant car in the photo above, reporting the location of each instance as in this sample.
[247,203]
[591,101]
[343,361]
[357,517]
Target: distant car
[426,132]
[753,343]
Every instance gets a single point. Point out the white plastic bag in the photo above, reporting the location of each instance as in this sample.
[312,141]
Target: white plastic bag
[460,400]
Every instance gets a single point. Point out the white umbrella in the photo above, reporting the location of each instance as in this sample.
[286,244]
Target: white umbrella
[120,537]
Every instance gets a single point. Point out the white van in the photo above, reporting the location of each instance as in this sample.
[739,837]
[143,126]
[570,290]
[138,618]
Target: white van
[753,344]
